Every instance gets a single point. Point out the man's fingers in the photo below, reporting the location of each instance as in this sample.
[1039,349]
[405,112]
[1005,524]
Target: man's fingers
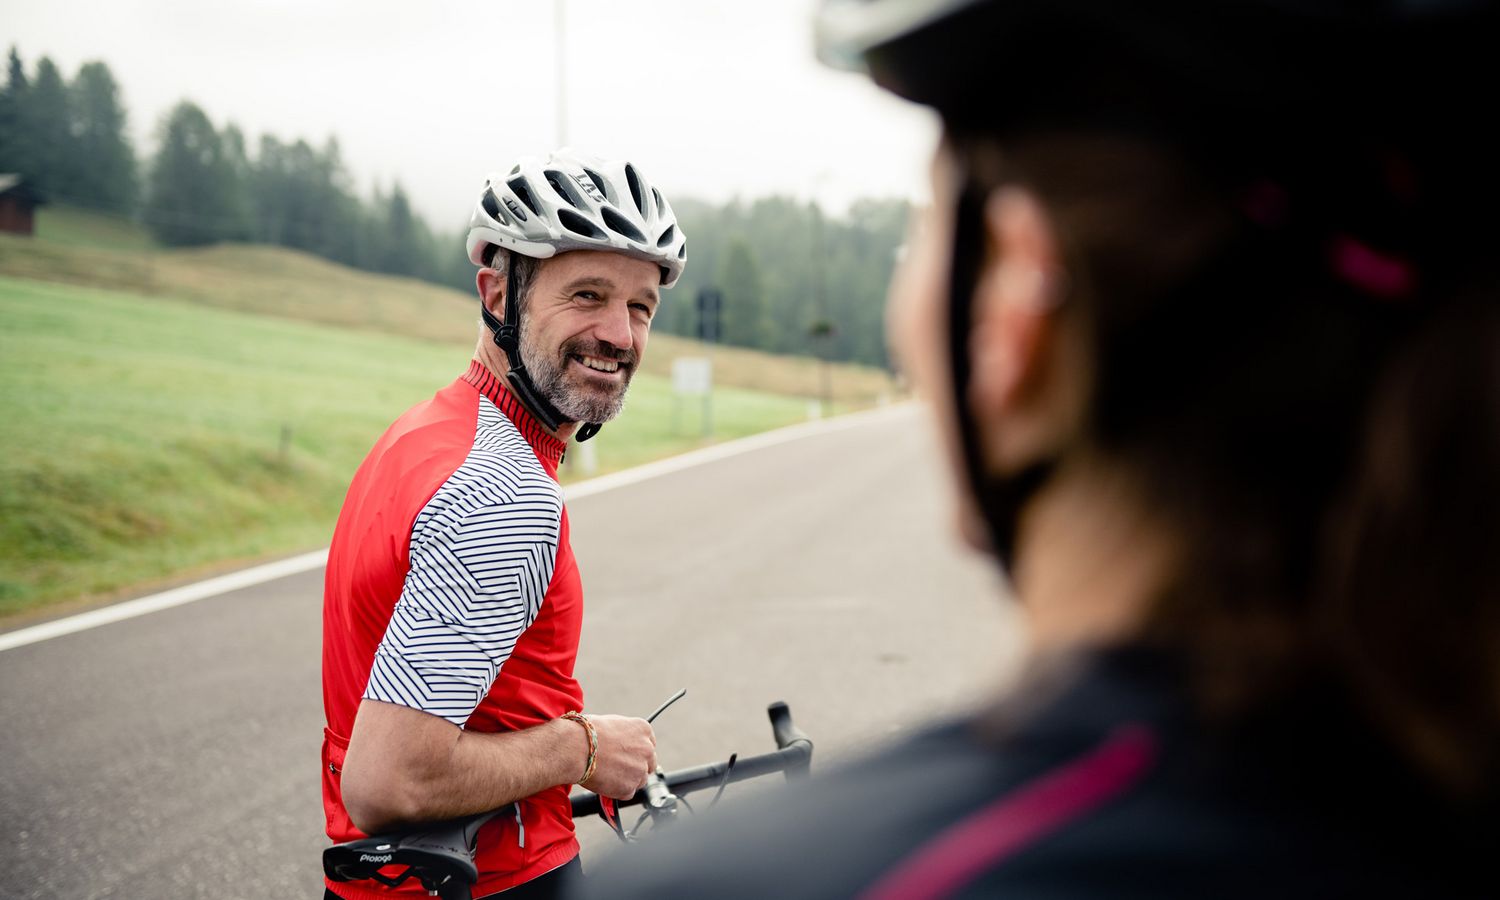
[627,753]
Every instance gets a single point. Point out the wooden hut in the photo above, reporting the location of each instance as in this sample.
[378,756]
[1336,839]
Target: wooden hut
[18,203]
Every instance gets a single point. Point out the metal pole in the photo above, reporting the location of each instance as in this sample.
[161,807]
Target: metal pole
[708,397]
[826,337]
[582,458]
[559,8]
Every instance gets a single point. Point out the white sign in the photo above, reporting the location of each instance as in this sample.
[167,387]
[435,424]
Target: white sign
[692,375]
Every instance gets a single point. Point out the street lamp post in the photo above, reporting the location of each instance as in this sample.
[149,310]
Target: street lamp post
[822,329]
[559,33]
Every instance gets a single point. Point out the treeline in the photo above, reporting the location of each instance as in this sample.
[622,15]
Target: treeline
[792,279]
[68,137]
[205,186]
[206,183]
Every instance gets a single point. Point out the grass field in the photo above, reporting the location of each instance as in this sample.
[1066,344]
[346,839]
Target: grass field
[147,439]
[172,411]
[85,248]
[87,228]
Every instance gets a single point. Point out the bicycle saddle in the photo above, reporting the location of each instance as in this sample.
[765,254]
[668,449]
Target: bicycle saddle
[439,855]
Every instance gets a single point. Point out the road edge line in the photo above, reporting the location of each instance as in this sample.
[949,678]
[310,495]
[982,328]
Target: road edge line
[223,584]
[151,603]
[716,452]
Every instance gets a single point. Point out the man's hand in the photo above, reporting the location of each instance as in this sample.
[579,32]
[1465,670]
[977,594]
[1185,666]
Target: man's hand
[626,755]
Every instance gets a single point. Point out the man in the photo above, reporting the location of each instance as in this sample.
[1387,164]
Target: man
[452,603]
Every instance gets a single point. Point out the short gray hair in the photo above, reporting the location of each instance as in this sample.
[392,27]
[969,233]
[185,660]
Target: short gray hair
[526,269]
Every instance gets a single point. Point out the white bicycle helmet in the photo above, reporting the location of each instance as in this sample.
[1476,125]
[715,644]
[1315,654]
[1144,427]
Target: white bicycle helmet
[569,201]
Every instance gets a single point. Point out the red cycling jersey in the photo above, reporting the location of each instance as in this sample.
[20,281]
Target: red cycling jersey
[451,588]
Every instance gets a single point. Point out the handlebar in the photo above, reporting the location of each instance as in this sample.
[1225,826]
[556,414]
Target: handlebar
[786,731]
[794,757]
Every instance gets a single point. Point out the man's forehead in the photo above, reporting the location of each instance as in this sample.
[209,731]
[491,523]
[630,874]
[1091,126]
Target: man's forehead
[614,270]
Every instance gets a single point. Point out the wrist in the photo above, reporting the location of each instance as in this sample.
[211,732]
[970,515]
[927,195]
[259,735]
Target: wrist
[592,760]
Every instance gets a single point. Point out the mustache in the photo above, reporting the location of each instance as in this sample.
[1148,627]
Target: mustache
[601,349]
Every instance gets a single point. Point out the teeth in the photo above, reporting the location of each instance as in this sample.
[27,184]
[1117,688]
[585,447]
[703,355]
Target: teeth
[600,365]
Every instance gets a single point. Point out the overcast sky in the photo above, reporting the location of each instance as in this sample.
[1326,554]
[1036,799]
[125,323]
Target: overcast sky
[711,98]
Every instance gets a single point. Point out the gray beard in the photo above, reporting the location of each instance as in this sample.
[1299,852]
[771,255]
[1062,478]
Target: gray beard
[575,399]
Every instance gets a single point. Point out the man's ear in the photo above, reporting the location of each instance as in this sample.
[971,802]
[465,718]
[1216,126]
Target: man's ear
[1014,325]
[491,285]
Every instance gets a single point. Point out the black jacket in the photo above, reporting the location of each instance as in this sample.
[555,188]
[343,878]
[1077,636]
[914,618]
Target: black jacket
[1101,782]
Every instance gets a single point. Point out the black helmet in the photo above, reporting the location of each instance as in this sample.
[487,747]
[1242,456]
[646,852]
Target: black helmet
[1236,75]
[1336,100]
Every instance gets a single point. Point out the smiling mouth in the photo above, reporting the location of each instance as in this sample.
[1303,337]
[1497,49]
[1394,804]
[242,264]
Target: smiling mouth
[597,364]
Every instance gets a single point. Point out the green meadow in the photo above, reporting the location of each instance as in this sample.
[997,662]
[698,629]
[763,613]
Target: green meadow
[148,439]
[167,413]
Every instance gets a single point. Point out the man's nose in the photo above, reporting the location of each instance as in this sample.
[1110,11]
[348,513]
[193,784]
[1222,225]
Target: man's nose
[612,326]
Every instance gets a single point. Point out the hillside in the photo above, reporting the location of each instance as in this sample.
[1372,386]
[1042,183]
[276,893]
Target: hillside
[82,248]
[173,412]
[149,439]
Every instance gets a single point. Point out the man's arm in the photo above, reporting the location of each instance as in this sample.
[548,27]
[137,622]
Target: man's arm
[405,766]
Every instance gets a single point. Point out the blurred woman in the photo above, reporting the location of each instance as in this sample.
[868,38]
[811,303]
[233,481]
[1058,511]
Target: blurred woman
[1206,306]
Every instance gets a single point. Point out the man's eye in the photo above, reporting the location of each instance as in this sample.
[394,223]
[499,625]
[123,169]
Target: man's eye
[641,308]
[587,295]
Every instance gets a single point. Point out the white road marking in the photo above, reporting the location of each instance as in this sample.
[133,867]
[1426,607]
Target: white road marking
[727,449]
[250,577]
[165,600]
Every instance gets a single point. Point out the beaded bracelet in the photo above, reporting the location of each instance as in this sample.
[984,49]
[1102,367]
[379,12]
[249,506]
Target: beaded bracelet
[581,719]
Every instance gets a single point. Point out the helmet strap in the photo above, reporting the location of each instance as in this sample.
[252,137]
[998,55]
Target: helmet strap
[507,336]
[1000,500]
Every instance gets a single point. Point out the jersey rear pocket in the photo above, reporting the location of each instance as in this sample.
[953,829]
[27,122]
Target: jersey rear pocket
[337,819]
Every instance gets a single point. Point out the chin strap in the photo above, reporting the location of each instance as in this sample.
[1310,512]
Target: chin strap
[1000,499]
[507,336]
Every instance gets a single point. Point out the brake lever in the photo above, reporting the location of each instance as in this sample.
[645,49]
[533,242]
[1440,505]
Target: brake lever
[670,700]
[728,769]
[611,814]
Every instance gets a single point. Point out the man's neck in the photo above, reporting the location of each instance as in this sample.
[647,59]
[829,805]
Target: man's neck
[493,359]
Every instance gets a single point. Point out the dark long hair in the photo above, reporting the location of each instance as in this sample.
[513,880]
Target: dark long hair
[1307,385]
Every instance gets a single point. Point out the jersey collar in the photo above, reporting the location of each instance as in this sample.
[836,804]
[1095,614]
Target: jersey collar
[548,448]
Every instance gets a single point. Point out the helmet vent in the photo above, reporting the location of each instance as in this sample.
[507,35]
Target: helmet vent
[524,192]
[661,205]
[578,224]
[492,207]
[563,189]
[667,236]
[682,251]
[598,181]
[621,226]
[634,181]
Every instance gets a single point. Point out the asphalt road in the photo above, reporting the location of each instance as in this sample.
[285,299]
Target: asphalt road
[176,754]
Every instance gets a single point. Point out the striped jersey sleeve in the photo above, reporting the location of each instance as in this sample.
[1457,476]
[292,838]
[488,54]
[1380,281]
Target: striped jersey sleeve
[482,556]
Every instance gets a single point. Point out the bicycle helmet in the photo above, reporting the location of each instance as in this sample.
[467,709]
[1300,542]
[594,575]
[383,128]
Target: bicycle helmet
[567,201]
[1314,93]
[1233,69]
[570,201]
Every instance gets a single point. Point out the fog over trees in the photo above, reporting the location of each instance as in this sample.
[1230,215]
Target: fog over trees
[793,279]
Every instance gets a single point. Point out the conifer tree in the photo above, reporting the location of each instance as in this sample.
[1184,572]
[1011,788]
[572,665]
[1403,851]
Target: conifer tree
[105,176]
[192,197]
[46,121]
